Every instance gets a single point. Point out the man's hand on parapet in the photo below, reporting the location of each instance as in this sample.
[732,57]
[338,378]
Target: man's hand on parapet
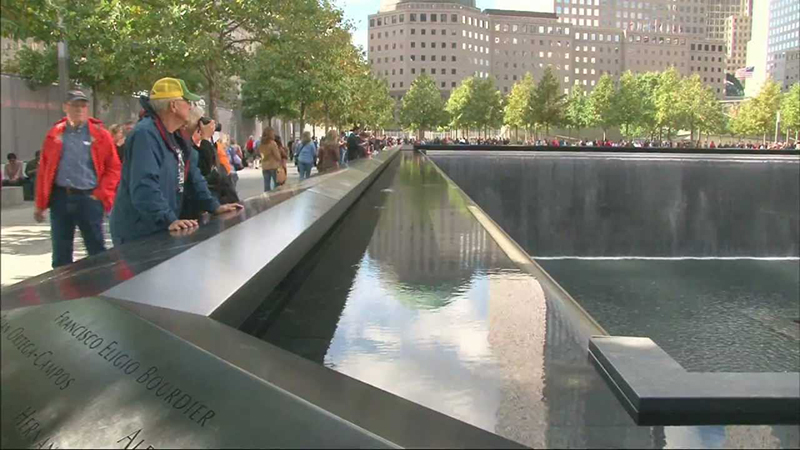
[228,207]
[181,224]
[183,232]
[38,215]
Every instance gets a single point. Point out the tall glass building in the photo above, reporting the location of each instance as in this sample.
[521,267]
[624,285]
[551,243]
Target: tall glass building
[783,42]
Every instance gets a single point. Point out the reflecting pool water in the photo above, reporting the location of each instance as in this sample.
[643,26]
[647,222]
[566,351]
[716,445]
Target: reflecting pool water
[697,252]
[409,293]
[710,315]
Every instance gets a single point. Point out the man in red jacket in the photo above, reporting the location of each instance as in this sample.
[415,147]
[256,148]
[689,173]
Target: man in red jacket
[78,175]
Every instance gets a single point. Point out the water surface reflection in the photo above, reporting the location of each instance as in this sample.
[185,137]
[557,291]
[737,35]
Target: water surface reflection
[410,294]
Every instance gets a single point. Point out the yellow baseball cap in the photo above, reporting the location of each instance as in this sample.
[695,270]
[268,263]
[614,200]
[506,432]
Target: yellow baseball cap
[172,88]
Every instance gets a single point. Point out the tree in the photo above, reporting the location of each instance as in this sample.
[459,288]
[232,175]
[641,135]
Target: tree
[741,123]
[423,107]
[601,100]
[547,102]
[517,112]
[665,99]
[459,105]
[764,109]
[647,84]
[790,110]
[105,47]
[266,91]
[627,103]
[486,104]
[711,118]
[377,106]
[578,113]
[123,46]
[217,39]
[310,69]
[697,106]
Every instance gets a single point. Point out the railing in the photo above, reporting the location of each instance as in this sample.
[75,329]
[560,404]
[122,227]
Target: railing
[596,149]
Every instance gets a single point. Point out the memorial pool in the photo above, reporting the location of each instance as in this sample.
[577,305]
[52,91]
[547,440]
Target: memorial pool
[697,252]
[411,294]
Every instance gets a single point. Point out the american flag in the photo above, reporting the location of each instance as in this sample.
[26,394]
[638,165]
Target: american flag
[745,72]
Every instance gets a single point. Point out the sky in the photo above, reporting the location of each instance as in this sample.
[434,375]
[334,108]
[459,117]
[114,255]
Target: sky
[358,10]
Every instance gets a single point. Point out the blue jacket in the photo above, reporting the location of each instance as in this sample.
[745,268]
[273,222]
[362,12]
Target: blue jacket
[307,153]
[150,195]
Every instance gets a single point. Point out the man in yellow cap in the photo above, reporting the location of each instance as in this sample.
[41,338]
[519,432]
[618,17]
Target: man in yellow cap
[160,170]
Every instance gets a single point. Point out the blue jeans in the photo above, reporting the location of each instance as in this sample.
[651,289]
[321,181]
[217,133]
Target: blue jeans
[67,212]
[305,169]
[269,176]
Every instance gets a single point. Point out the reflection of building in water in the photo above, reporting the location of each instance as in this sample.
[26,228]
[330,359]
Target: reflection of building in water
[427,237]
[578,399]
[550,395]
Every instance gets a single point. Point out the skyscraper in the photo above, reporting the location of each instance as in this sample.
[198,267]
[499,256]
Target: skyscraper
[580,41]
[783,41]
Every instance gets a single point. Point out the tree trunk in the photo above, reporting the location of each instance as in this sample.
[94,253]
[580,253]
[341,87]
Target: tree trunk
[95,102]
[302,118]
[213,89]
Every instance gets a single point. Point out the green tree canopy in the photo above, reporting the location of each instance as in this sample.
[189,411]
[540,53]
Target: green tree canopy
[517,111]
[579,114]
[423,107]
[665,99]
[310,73]
[602,102]
[697,106]
[790,109]
[547,103]
[486,104]
[123,46]
[517,106]
[762,110]
[459,104]
[627,103]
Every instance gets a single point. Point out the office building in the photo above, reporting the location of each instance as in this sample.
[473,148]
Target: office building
[783,42]
[580,41]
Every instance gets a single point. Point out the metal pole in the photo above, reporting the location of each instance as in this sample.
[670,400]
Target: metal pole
[777,123]
[63,69]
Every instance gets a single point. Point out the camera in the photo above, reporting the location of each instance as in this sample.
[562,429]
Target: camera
[206,120]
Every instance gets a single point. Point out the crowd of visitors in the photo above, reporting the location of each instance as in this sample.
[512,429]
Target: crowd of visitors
[561,142]
[161,173]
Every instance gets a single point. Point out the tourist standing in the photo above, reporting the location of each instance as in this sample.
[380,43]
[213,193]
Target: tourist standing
[306,156]
[329,152]
[160,169]
[78,174]
[118,135]
[355,147]
[271,158]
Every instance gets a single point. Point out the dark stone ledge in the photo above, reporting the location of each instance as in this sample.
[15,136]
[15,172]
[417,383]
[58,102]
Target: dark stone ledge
[656,390]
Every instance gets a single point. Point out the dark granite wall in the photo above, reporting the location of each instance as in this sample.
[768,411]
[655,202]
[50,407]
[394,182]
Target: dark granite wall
[586,205]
